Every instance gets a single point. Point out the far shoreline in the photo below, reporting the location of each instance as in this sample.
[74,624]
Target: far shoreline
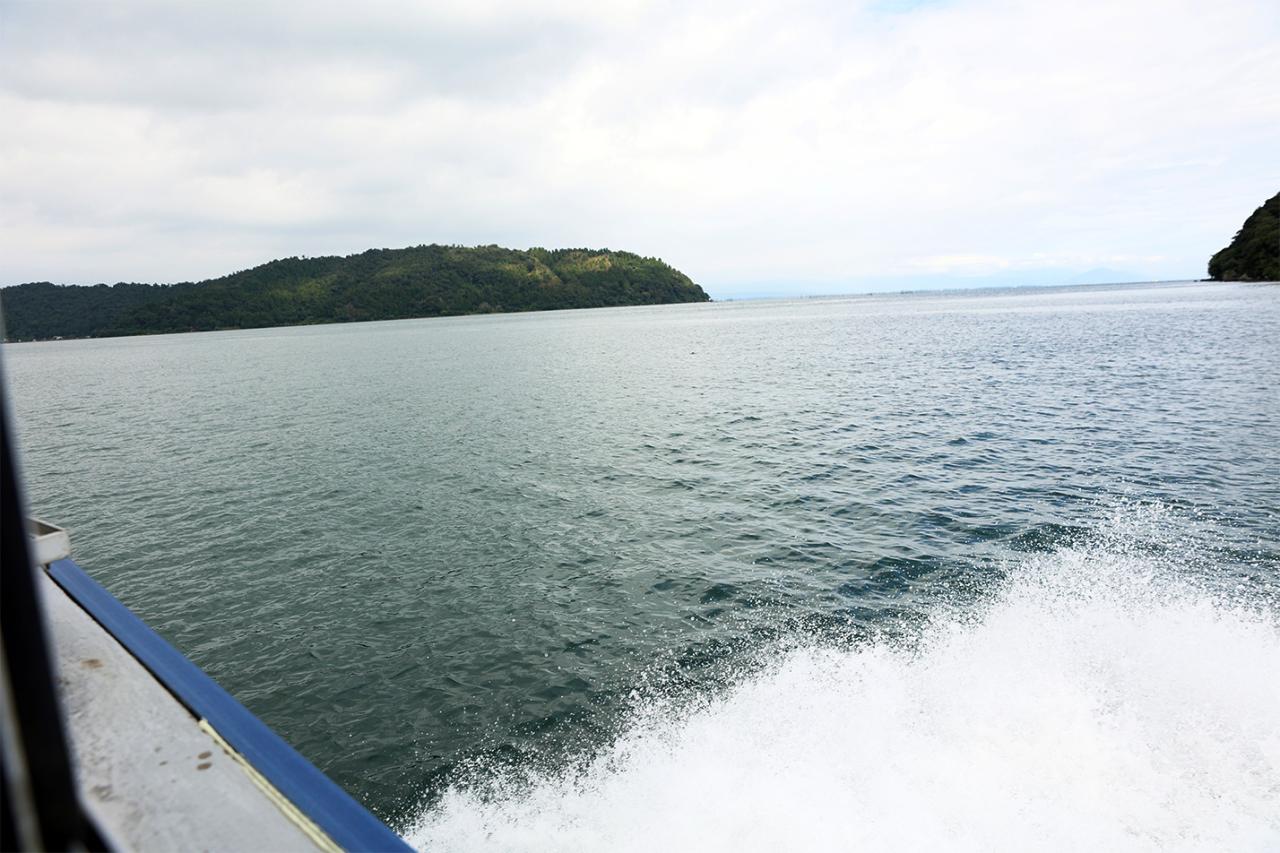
[1023,289]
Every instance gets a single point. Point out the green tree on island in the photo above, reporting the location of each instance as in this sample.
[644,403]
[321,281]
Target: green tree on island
[380,284]
[1254,254]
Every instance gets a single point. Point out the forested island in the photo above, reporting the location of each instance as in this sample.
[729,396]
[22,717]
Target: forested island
[1254,254]
[380,284]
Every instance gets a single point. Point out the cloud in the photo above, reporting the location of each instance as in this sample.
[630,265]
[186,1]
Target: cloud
[782,147]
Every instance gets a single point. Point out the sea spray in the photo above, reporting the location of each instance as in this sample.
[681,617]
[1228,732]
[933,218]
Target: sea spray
[1115,693]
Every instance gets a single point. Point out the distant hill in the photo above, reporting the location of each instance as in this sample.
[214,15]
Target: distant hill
[1254,254]
[380,284]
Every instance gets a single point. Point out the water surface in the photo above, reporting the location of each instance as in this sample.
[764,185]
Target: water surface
[528,581]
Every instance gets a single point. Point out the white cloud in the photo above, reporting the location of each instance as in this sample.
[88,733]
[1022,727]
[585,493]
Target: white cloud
[788,146]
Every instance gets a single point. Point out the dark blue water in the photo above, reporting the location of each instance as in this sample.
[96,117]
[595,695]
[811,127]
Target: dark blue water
[511,579]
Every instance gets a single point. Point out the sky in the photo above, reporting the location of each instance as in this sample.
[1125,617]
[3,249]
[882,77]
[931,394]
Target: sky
[789,148]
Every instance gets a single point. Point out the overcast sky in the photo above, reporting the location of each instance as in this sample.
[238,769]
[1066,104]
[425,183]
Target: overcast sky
[761,148]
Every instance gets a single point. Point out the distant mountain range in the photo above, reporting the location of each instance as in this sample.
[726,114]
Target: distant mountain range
[380,284]
[1254,254]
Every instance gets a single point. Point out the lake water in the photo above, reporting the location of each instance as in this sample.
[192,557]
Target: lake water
[975,570]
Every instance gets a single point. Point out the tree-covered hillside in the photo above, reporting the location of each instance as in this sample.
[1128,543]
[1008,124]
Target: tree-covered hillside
[1254,254]
[380,284]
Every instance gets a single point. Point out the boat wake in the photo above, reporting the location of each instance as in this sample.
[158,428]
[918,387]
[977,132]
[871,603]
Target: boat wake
[1113,694]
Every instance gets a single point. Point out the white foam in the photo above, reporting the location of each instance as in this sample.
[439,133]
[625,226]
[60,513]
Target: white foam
[1103,699]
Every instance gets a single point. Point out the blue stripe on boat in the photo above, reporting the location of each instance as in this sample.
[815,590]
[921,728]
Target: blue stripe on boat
[348,823]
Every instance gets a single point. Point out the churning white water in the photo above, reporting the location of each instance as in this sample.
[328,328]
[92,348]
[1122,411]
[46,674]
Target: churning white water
[1106,697]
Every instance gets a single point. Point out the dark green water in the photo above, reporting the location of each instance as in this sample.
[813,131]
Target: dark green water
[410,545]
